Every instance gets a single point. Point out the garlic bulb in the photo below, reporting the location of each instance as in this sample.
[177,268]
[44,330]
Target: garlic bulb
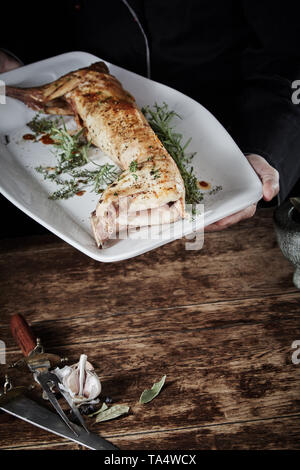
[80,381]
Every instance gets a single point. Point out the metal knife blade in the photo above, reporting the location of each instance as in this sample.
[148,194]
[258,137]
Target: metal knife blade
[30,411]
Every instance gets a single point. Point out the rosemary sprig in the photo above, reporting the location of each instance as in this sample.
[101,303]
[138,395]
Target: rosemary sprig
[160,119]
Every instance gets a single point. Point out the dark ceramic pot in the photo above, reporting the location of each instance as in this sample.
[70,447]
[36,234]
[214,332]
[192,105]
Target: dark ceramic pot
[287,227]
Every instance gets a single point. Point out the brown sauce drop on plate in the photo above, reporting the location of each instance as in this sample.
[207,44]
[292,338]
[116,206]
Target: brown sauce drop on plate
[29,137]
[80,193]
[46,139]
[204,185]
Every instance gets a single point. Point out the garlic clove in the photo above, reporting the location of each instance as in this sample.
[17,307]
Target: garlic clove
[80,380]
[92,386]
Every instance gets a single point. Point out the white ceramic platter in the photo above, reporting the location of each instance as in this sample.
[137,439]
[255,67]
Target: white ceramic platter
[218,161]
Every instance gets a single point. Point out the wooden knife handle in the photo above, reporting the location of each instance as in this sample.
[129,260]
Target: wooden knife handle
[22,334]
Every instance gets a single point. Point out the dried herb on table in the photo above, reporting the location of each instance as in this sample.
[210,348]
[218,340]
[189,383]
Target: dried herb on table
[106,414]
[148,395]
[111,413]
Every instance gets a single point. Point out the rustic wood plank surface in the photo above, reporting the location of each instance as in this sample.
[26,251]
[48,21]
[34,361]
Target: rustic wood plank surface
[219,322]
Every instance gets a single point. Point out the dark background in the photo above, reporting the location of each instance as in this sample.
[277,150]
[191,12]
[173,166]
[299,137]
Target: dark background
[236,57]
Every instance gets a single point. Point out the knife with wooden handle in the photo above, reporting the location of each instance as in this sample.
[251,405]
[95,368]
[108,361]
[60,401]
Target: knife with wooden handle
[23,334]
[39,365]
[14,400]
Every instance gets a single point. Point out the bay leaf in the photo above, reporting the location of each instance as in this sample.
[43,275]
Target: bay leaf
[112,413]
[103,408]
[148,395]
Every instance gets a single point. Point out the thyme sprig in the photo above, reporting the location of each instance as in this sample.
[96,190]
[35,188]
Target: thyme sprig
[41,125]
[79,180]
[71,152]
[99,178]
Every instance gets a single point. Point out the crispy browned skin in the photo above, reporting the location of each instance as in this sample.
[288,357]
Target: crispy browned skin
[115,124]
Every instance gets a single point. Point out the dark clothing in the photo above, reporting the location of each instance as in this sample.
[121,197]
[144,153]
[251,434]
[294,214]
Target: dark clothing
[236,57]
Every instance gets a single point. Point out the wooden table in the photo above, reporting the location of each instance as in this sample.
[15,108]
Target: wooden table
[218,322]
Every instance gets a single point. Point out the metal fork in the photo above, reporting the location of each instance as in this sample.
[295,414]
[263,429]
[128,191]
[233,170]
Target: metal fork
[47,380]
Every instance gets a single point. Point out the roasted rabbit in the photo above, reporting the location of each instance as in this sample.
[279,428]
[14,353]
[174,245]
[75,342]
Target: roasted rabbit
[150,190]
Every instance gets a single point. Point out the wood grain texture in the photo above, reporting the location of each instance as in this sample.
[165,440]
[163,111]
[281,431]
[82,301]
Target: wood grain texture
[219,322]
[233,265]
[273,434]
[107,327]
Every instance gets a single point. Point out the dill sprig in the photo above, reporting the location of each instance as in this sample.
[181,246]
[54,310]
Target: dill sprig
[160,119]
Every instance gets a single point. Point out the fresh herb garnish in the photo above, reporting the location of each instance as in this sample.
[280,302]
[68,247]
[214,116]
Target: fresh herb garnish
[155,173]
[41,125]
[70,188]
[72,154]
[215,190]
[133,166]
[79,180]
[72,150]
[160,119]
[100,178]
